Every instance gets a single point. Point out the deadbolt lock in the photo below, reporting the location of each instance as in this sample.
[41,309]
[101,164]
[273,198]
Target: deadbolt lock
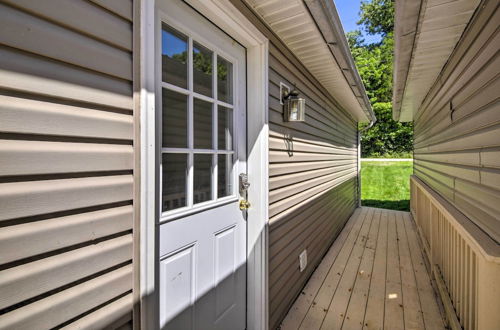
[244,204]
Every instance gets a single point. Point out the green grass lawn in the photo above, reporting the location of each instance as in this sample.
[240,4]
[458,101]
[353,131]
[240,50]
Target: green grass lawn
[386,184]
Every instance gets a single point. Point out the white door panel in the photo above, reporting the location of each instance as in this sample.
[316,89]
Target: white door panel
[205,267]
[202,119]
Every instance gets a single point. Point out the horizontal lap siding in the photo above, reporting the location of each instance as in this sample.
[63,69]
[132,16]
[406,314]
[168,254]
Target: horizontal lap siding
[312,174]
[457,128]
[66,164]
[312,182]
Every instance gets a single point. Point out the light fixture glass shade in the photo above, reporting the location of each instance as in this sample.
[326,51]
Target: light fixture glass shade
[295,108]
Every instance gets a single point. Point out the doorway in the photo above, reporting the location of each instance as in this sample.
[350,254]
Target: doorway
[201,124]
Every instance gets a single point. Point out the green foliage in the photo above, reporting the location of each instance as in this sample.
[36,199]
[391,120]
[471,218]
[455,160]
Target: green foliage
[203,63]
[374,63]
[391,155]
[355,39]
[386,184]
[386,136]
[181,57]
[377,16]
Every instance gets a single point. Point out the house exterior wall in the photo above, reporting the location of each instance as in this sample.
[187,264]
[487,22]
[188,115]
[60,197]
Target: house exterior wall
[67,166]
[457,128]
[66,163]
[313,167]
[312,175]
[312,182]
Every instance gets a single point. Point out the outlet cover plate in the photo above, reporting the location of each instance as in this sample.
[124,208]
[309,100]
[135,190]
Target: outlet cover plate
[303,260]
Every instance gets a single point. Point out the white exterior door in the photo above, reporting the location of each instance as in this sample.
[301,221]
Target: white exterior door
[202,152]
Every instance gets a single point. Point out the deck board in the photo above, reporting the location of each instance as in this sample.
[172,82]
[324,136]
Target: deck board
[338,306]
[413,318]
[393,317]
[357,304]
[304,301]
[373,277]
[374,314]
[321,303]
[428,300]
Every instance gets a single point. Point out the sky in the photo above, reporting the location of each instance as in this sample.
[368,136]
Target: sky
[348,12]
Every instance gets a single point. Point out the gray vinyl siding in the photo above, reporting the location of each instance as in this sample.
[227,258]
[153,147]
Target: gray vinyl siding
[312,175]
[457,128]
[312,183]
[66,164]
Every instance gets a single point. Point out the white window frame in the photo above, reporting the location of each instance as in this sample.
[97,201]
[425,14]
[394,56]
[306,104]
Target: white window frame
[233,22]
[191,208]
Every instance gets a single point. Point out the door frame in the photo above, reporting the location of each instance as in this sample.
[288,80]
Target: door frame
[234,23]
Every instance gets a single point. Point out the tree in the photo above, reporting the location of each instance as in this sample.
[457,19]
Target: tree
[377,16]
[374,62]
[387,137]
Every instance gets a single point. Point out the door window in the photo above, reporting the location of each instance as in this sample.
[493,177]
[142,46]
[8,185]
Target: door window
[197,126]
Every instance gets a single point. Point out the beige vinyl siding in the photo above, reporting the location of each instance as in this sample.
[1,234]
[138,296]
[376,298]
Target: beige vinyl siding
[312,182]
[66,164]
[457,128]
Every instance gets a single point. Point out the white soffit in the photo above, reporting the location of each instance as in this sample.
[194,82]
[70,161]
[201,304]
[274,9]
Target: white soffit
[291,21]
[440,26]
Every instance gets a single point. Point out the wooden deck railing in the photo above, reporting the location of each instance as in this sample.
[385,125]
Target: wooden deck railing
[465,262]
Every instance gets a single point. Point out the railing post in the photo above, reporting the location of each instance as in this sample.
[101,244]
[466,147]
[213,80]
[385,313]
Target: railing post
[433,234]
[488,294]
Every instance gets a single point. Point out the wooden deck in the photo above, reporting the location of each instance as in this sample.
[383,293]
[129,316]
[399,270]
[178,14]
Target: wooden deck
[373,277]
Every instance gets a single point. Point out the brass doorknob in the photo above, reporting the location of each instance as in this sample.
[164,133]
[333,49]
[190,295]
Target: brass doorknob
[244,204]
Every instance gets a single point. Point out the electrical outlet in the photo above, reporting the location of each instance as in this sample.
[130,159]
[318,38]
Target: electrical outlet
[303,260]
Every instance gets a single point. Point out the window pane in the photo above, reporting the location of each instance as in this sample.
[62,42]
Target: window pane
[202,70]
[174,126]
[202,178]
[174,47]
[174,173]
[224,80]
[224,180]
[225,128]
[202,124]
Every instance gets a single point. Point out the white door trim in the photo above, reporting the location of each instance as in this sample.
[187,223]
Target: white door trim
[148,202]
[233,22]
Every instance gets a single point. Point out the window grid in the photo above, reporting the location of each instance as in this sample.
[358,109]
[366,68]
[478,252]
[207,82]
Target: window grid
[191,151]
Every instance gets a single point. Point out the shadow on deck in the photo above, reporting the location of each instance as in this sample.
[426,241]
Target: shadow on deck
[373,277]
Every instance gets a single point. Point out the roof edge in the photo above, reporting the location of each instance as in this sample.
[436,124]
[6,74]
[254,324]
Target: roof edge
[404,43]
[324,14]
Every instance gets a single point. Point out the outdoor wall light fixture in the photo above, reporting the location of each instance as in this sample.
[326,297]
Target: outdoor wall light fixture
[295,107]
